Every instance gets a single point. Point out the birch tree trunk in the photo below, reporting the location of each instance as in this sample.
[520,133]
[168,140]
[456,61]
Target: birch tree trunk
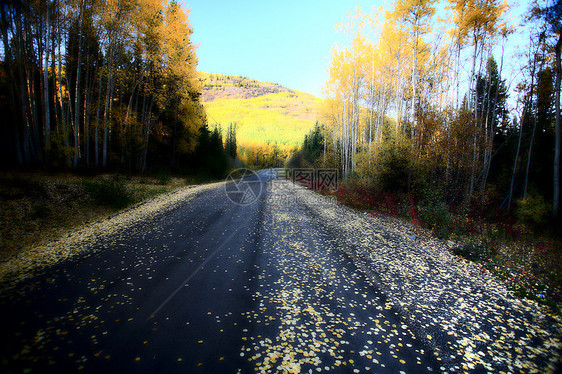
[47,115]
[77,92]
[524,115]
[556,179]
[535,119]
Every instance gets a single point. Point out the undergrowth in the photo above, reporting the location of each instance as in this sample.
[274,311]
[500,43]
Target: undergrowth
[517,248]
[109,191]
[38,207]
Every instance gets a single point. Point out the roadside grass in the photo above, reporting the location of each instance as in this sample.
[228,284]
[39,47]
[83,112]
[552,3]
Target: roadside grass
[36,208]
[526,258]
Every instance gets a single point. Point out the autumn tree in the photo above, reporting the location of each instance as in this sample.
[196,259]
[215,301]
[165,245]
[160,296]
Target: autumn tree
[416,15]
[405,74]
[98,83]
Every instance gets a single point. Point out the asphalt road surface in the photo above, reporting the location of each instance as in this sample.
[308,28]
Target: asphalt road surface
[246,278]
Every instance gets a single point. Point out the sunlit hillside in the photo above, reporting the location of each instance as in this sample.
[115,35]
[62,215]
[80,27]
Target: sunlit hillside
[265,113]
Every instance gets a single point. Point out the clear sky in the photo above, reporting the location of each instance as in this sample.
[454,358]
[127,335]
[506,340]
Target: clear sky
[286,42]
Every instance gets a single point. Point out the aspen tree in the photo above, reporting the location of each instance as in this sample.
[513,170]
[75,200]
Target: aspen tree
[417,15]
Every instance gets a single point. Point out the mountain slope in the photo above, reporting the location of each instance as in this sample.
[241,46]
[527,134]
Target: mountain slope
[264,113]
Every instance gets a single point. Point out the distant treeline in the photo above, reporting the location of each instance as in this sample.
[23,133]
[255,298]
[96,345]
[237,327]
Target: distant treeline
[97,84]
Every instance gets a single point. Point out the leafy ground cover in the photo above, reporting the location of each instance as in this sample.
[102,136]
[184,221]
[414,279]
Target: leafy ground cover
[470,317]
[526,258]
[36,208]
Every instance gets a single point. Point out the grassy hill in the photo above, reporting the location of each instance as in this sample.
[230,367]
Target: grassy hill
[265,113]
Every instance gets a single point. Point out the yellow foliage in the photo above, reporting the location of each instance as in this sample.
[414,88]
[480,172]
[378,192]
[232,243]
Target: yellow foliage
[281,118]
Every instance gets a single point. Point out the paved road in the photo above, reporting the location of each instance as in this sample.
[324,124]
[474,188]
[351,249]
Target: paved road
[211,287]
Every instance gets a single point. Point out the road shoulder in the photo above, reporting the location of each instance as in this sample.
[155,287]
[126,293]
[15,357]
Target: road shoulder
[77,242]
[469,317]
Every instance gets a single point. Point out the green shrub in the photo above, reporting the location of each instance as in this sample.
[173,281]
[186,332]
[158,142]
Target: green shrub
[433,209]
[110,192]
[435,214]
[532,210]
[392,167]
[164,177]
[475,251]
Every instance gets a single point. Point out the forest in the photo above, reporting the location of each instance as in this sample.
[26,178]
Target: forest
[102,85]
[414,102]
[419,106]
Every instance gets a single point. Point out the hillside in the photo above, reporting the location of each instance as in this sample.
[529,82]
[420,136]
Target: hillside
[264,113]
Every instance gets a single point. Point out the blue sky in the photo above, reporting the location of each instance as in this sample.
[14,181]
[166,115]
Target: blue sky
[286,42]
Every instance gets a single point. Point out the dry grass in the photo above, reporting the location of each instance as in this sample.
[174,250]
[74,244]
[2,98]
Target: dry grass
[36,208]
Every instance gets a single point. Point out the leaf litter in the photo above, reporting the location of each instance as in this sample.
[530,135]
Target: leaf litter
[317,313]
[311,307]
[468,317]
[33,259]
